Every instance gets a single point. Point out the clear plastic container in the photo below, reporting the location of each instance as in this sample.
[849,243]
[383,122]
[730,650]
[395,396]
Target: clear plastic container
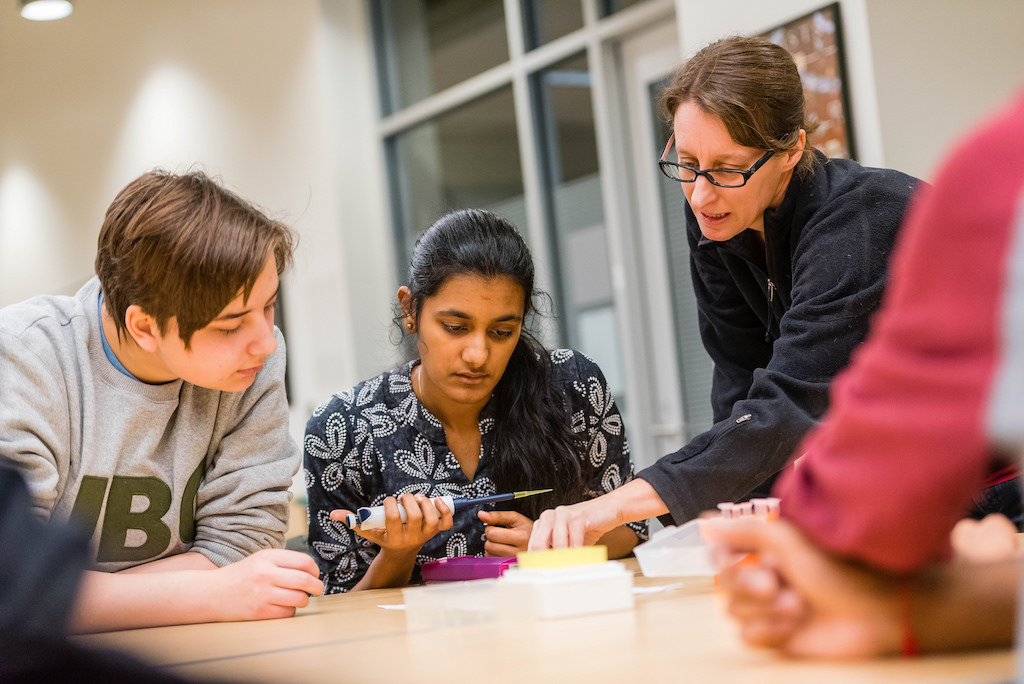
[450,605]
[676,552]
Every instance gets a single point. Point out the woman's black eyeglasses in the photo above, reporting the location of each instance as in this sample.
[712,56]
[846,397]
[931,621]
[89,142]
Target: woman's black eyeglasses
[723,178]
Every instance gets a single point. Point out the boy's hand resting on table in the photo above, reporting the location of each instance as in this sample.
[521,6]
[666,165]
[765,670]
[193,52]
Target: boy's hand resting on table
[507,533]
[189,588]
[268,584]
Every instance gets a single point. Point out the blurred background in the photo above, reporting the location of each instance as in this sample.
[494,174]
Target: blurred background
[358,123]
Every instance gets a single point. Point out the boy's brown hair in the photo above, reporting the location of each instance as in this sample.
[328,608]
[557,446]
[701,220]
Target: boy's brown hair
[753,86]
[182,246]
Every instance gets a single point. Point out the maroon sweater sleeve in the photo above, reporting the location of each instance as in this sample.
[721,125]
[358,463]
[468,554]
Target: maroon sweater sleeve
[904,445]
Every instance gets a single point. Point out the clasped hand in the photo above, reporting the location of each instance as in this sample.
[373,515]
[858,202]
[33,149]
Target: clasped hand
[507,533]
[793,596]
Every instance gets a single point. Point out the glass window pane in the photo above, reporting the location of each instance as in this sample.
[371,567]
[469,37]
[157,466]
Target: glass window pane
[568,121]
[612,6]
[468,157]
[600,335]
[426,46]
[572,184]
[545,20]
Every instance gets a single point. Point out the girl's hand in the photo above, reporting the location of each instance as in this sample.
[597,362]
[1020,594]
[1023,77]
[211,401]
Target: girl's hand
[423,520]
[507,533]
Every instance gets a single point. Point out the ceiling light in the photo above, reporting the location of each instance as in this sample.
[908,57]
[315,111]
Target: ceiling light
[45,10]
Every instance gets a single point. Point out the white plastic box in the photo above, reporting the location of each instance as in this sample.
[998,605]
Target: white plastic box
[564,592]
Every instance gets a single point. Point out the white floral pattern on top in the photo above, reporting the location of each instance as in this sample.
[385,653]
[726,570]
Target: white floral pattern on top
[560,356]
[420,463]
[377,440]
[602,424]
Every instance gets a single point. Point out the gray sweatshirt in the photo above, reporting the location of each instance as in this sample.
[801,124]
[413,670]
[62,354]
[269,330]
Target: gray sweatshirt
[147,471]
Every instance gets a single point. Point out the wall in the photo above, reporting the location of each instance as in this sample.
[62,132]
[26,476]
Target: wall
[702,22]
[941,66]
[920,71]
[364,229]
[276,98]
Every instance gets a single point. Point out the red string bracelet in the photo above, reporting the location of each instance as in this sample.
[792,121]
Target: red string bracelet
[908,642]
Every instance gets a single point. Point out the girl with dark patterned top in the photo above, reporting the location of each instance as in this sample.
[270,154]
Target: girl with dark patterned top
[484,409]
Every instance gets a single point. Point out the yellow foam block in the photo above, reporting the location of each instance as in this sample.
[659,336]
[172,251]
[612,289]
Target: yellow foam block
[562,558]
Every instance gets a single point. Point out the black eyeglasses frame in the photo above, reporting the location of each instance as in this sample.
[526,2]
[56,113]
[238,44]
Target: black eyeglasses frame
[663,163]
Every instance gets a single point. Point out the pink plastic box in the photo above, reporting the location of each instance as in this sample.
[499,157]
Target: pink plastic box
[462,568]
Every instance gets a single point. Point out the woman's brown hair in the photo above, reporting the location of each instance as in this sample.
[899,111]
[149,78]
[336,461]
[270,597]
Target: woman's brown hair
[753,86]
[182,246]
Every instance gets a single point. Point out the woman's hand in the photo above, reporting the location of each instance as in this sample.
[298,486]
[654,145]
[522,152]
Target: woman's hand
[581,524]
[507,533]
[423,520]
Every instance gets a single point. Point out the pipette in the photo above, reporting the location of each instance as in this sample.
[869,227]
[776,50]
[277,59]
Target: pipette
[372,518]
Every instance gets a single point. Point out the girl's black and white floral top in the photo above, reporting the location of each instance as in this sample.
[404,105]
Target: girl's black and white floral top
[376,440]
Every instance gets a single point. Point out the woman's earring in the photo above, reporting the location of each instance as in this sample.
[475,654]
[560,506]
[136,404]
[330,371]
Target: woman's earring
[408,326]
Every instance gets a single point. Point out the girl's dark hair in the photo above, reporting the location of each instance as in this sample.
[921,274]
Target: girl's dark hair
[534,446]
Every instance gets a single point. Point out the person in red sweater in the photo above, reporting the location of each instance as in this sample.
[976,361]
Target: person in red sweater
[929,403]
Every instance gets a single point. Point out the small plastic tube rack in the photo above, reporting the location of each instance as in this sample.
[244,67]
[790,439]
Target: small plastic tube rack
[525,593]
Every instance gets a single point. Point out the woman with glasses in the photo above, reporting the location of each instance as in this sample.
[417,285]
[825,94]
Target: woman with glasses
[788,255]
[483,409]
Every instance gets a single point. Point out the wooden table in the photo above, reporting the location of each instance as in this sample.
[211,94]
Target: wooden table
[680,635]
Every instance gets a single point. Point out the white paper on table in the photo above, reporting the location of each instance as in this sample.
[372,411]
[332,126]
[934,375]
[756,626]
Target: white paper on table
[655,590]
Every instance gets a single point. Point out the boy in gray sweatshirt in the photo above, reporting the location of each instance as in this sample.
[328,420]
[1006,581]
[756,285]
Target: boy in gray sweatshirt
[149,410]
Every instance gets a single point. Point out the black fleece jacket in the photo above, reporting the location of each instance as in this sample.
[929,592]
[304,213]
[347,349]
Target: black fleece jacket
[779,321]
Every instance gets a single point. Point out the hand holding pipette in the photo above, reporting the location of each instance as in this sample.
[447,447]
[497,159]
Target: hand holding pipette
[403,523]
[373,518]
[400,537]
